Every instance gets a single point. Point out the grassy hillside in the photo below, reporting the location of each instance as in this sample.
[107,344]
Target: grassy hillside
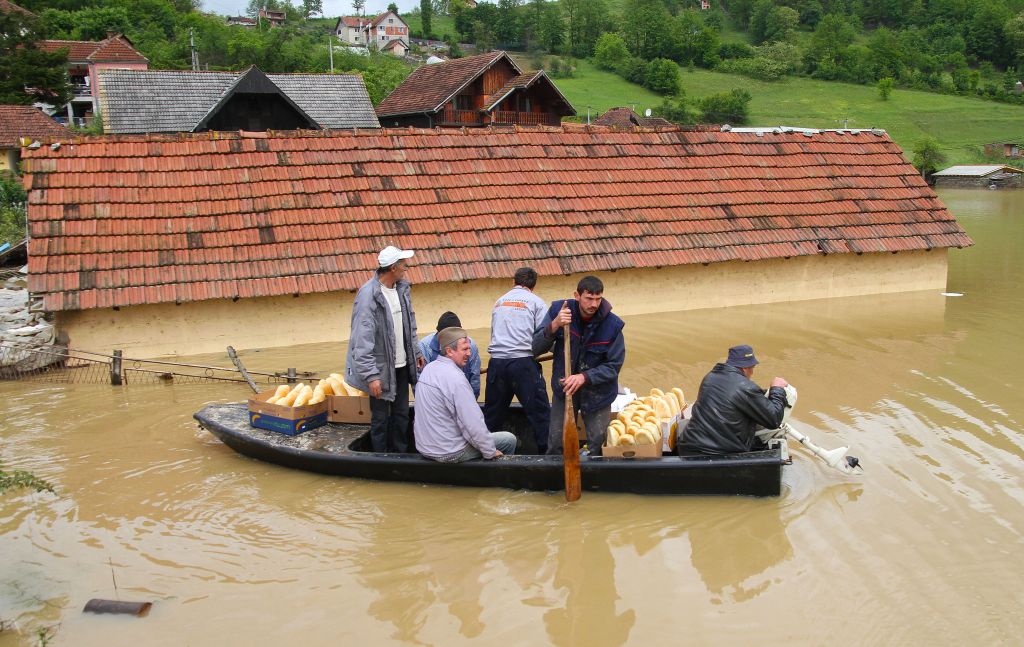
[960,125]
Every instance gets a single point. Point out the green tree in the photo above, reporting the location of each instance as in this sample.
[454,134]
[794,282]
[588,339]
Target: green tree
[508,29]
[885,87]
[552,28]
[311,7]
[726,107]
[646,27]
[927,156]
[610,51]
[12,209]
[426,11]
[28,74]
[662,76]
[393,8]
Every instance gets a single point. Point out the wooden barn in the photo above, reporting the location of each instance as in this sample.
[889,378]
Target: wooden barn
[483,90]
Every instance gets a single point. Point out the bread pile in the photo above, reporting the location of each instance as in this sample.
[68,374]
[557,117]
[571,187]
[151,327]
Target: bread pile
[302,394]
[640,422]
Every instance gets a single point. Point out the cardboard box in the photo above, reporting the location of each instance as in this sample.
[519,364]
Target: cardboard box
[632,451]
[346,408]
[290,421]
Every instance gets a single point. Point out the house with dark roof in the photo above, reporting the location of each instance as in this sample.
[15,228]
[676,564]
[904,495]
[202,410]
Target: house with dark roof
[271,17]
[9,7]
[487,89]
[19,123]
[182,244]
[159,101]
[85,60]
[626,118]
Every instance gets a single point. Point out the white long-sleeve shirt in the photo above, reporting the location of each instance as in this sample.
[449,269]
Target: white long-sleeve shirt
[448,417]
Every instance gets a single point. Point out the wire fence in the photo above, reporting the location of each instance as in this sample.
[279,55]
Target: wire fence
[61,365]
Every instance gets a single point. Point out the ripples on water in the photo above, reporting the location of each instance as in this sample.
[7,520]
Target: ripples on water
[925,547]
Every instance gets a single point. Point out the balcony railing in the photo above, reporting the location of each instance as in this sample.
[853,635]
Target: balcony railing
[81,90]
[451,117]
[526,118]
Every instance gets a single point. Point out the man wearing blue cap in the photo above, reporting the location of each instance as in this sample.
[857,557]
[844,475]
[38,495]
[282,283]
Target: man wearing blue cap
[730,407]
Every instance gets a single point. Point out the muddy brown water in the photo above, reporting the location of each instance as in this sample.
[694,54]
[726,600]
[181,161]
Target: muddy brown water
[925,548]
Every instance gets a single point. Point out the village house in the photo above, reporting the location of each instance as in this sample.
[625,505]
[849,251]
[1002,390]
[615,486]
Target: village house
[163,245]
[272,18]
[241,21]
[19,123]
[626,118]
[85,60]
[1008,150]
[989,176]
[156,101]
[386,32]
[487,89]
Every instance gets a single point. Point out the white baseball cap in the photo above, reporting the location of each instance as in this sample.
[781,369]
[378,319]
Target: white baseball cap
[391,255]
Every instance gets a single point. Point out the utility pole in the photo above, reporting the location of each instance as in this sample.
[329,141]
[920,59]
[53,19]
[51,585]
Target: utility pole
[330,51]
[195,52]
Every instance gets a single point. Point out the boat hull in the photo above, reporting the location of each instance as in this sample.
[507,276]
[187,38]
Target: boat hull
[335,450]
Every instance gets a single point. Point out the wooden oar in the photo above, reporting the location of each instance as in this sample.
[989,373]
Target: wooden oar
[570,438]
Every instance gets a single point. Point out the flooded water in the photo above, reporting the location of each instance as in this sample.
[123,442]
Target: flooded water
[926,547]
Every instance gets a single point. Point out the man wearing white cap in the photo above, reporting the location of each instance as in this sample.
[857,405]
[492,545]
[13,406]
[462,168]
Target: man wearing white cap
[382,349]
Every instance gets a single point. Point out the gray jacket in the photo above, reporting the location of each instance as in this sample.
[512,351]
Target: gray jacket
[371,347]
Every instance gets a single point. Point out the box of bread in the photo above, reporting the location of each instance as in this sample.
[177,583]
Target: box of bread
[645,427]
[288,410]
[345,403]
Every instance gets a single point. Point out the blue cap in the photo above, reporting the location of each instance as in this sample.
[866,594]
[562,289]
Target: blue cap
[741,357]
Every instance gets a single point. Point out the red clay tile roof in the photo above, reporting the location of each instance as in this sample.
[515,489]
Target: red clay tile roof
[26,121]
[430,86]
[116,48]
[10,7]
[127,220]
[354,21]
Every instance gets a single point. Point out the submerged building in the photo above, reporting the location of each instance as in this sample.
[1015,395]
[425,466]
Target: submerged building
[175,244]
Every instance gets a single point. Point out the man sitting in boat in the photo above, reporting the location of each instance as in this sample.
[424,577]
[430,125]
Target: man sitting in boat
[730,408]
[432,350]
[449,425]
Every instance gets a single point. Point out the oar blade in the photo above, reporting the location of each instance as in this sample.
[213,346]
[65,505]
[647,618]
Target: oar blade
[571,455]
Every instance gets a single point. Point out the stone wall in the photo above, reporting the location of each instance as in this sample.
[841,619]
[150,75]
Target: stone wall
[21,330]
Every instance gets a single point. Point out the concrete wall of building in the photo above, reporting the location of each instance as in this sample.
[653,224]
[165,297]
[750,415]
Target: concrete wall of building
[9,159]
[210,326]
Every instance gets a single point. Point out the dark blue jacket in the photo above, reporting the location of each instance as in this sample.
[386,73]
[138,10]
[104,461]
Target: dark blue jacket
[597,349]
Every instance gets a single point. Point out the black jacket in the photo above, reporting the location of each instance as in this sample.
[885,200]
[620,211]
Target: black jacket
[728,410]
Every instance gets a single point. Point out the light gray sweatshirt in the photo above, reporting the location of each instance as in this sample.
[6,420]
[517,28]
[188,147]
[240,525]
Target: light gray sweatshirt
[514,318]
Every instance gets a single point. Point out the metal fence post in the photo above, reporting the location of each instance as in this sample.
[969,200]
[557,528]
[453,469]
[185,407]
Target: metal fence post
[291,375]
[115,369]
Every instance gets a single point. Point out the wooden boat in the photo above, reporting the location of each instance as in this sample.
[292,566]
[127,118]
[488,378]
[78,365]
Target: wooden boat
[344,450]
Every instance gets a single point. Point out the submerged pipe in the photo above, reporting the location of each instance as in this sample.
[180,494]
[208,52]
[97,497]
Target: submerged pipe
[97,605]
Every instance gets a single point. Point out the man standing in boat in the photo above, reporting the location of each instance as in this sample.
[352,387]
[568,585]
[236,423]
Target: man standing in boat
[730,408]
[430,350]
[512,368]
[449,425]
[382,352]
[597,350]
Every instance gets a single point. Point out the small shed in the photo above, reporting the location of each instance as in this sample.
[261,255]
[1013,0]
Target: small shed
[984,176]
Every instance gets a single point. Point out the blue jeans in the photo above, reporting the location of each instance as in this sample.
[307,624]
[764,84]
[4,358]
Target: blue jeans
[504,442]
[523,378]
[596,423]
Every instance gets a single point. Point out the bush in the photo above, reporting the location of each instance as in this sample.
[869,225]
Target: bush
[885,87]
[675,110]
[633,69]
[12,209]
[735,50]
[562,68]
[759,68]
[610,51]
[725,108]
[662,76]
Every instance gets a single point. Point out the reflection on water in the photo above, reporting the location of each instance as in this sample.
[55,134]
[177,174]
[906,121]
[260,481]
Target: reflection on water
[925,547]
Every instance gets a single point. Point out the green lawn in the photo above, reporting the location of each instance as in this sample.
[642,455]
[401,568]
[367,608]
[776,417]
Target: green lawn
[960,125]
[440,25]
